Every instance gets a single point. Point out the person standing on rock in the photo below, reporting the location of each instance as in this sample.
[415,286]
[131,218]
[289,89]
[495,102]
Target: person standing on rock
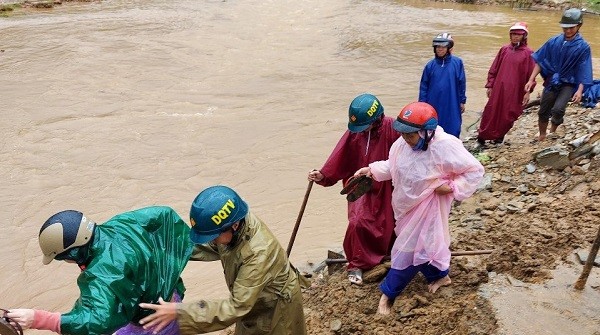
[444,84]
[429,169]
[565,63]
[507,76]
[265,296]
[370,231]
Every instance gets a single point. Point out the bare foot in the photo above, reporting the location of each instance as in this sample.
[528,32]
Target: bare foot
[385,305]
[541,137]
[439,283]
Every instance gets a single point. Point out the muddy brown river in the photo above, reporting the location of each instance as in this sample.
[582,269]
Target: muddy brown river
[115,105]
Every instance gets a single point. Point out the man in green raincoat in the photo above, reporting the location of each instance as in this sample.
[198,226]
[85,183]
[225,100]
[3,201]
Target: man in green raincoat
[134,257]
[265,289]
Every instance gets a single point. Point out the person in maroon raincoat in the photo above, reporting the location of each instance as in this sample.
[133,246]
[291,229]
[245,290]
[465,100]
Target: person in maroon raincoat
[507,76]
[370,233]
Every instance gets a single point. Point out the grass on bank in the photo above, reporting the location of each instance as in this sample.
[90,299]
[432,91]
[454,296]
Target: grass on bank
[593,5]
[7,8]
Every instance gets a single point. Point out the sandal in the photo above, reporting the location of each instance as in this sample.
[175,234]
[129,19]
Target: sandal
[355,276]
[356,186]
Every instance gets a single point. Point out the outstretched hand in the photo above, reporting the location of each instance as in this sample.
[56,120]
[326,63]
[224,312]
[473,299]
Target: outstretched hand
[364,171]
[165,313]
[24,317]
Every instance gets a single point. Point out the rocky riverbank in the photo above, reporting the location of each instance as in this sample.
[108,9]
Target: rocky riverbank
[537,206]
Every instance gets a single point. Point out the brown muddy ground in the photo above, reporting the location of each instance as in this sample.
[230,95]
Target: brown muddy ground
[534,220]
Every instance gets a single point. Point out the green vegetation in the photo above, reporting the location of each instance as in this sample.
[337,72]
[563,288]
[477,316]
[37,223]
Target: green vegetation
[6,9]
[592,5]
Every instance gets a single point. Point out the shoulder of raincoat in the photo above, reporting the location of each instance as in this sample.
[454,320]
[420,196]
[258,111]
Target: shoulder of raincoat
[432,76]
[265,292]
[136,257]
[507,56]
[356,150]
[564,61]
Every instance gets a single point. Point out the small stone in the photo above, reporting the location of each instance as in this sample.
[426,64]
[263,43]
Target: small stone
[335,325]
[577,170]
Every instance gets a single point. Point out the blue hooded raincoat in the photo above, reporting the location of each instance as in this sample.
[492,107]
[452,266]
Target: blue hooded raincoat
[565,62]
[443,85]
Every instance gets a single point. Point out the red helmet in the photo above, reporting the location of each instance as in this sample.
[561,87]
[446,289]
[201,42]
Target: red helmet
[416,116]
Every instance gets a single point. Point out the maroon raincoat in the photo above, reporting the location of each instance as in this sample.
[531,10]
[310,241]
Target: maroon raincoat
[507,77]
[370,232]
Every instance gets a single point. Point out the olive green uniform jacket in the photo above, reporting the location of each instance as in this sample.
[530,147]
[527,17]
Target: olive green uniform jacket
[265,290]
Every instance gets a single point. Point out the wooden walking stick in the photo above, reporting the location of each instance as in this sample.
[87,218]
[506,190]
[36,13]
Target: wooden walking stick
[587,268]
[329,261]
[295,231]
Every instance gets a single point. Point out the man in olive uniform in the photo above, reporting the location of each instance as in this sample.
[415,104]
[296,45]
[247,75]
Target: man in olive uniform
[265,289]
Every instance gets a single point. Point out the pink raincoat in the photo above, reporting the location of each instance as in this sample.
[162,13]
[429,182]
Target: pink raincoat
[421,214]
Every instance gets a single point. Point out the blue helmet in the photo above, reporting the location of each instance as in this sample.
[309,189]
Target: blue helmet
[214,211]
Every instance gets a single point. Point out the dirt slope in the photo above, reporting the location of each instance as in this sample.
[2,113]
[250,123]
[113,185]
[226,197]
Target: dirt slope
[533,219]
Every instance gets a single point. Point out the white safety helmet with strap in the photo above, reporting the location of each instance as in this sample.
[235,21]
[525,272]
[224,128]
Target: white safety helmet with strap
[64,231]
[519,27]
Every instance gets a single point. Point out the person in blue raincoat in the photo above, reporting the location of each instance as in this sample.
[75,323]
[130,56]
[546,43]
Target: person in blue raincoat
[444,84]
[132,258]
[565,63]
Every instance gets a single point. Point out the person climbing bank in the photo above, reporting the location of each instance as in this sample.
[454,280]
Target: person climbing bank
[134,257]
[429,169]
[369,137]
[265,296]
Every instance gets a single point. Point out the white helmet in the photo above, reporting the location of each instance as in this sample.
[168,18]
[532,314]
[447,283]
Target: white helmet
[64,231]
[519,26]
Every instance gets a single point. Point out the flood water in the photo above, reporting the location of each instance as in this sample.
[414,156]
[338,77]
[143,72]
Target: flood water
[115,105]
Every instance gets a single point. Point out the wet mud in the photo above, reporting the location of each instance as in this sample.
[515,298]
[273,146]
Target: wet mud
[534,220]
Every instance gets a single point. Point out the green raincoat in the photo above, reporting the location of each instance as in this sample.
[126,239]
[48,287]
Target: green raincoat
[265,291]
[134,257]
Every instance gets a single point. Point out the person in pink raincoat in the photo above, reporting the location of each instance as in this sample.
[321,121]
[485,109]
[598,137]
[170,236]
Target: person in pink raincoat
[429,169]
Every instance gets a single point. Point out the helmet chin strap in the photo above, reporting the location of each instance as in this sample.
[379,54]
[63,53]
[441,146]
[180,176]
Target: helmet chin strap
[424,137]
[236,234]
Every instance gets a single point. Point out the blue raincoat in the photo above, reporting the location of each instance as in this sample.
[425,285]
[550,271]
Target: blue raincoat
[591,95]
[565,62]
[444,85]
